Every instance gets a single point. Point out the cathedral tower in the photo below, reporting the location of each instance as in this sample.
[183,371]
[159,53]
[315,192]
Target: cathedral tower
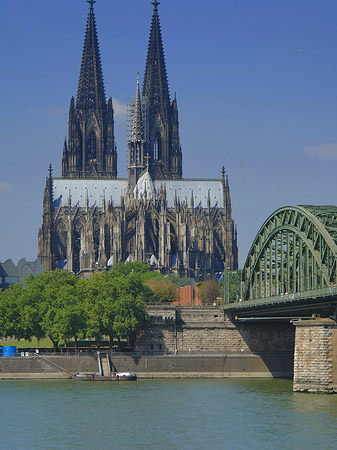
[91,150]
[162,128]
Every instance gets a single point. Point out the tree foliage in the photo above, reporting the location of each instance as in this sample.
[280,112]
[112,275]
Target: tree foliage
[164,289]
[209,291]
[61,306]
[233,284]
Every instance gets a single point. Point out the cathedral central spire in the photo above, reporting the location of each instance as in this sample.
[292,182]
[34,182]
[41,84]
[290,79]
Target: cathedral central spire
[137,148]
[137,125]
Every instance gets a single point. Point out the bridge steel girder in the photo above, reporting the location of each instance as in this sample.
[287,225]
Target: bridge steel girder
[294,251]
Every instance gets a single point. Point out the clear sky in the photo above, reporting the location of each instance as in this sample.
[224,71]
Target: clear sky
[256,83]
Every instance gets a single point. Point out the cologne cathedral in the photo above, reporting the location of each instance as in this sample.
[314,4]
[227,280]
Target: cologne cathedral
[92,219]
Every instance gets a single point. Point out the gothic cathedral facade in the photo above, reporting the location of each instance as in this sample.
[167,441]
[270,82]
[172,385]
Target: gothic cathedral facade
[92,219]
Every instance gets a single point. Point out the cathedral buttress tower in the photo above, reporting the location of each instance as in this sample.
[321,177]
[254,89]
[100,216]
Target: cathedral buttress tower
[90,151]
[45,234]
[163,126]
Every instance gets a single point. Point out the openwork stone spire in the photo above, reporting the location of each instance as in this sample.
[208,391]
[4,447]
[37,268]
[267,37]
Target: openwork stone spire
[162,126]
[91,93]
[91,150]
[155,80]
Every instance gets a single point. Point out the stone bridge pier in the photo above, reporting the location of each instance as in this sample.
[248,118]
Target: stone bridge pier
[315,358]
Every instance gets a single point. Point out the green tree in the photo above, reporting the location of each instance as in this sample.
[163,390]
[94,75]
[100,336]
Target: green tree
[70,319]
[112,300]
[130,313]
[89,292]
[180,281]
[130,317]
[100,295]
[234,284]
[19,314]
[128,268]
[56,296]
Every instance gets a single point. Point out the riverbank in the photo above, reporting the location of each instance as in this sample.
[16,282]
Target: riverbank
[267,365]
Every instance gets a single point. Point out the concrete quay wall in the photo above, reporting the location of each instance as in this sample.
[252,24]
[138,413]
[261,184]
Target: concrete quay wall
[207,366]
[33,367]
[169,366]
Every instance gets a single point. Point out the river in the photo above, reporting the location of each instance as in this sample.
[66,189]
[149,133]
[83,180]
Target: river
[165,414]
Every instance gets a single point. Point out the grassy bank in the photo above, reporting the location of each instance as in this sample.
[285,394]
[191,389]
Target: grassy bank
[42,343]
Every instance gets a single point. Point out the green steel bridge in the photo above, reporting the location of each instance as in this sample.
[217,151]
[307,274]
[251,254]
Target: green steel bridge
[291,268]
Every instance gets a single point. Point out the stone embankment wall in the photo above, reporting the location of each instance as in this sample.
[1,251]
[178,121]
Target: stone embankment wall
[315,359]
[209,329]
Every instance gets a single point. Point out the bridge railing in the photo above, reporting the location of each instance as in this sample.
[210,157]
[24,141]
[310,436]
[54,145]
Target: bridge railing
[285,298]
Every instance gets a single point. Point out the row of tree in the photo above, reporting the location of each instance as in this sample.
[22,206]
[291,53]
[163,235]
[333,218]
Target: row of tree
[61,306]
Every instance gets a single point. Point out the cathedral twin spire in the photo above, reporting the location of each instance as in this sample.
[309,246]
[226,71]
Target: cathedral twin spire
[91,93]
[91,150]
[155,86]
[162,126]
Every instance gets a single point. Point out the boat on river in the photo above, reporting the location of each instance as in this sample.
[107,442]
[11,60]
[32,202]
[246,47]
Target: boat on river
[123,376]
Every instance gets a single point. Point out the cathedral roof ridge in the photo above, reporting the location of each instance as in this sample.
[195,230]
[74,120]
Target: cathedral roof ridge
[187,179]
[100,180]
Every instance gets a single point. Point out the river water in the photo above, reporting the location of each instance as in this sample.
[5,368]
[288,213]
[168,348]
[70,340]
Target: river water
[164,414]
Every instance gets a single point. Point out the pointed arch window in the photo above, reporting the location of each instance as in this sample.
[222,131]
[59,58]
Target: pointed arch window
[137,154]
[91,149]
[132,154]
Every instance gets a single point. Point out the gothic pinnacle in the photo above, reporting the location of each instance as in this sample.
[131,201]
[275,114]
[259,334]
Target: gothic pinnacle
[155,5]
[223,171]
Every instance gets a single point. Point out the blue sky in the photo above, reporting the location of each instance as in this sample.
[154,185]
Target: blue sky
[256,83]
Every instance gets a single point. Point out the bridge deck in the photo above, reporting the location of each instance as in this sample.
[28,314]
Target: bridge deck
[318,299]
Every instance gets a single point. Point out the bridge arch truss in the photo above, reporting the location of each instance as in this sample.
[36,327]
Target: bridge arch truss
[294,251]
